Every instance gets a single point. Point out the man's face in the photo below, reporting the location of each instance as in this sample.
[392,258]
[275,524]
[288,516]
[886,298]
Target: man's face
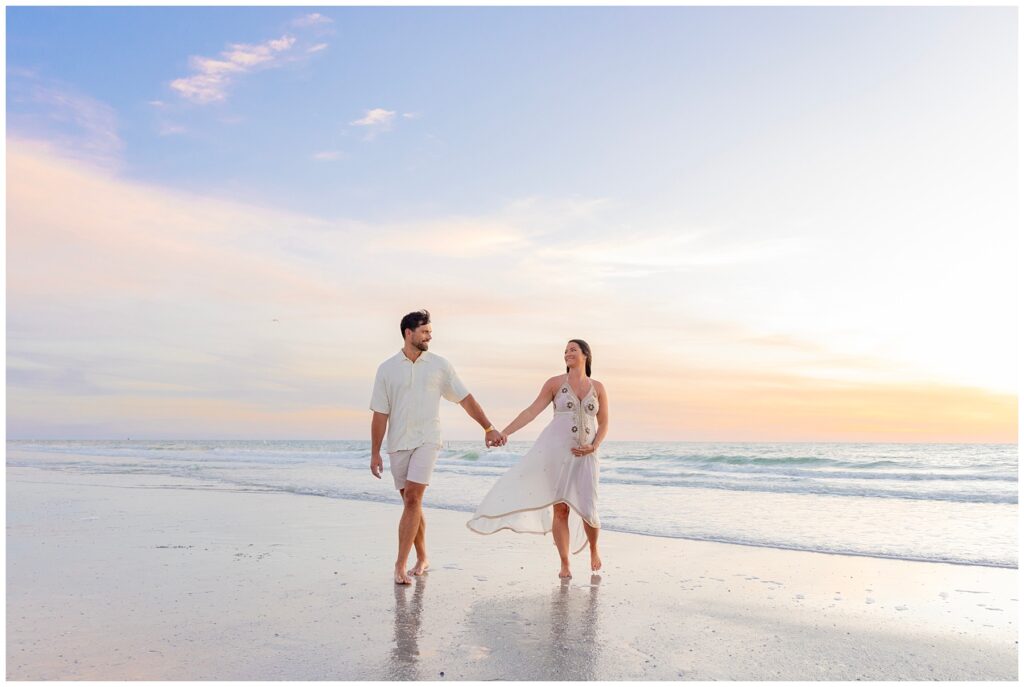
[420,337]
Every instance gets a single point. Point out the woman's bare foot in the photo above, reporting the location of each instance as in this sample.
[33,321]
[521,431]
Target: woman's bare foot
[420,568]
[564,572]
[400,576]
[595,560]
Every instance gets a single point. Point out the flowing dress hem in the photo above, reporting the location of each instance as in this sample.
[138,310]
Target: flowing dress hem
[469,524]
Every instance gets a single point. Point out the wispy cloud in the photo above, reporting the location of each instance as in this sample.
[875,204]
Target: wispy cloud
[117,247]
[328,155]
[378,118]
[314,19]
[133,306]
[68,119]
[212,77]
[518,231]
[170,129]
[317,48]
[668,251]
[468,237]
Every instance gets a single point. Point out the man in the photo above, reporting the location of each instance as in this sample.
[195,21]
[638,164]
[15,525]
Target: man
[407,395]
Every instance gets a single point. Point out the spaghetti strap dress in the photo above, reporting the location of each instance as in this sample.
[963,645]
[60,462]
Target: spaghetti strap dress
[522,499]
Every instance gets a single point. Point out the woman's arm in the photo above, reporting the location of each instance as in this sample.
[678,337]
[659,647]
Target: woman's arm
[547,393]
[602,416]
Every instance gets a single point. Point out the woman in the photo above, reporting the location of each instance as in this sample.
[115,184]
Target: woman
[556,481]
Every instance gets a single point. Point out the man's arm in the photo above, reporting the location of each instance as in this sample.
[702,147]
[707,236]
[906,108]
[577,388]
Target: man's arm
[378,426]
[473,409]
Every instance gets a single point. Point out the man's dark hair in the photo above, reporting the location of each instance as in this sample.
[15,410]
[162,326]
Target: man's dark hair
[414,320]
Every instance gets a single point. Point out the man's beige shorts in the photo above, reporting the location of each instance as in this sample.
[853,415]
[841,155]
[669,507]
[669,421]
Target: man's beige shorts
[414,465]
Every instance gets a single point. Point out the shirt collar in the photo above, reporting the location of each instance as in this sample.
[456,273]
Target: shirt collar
[403,357]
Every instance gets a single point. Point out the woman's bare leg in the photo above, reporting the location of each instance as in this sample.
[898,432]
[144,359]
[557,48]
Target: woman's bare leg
[595,557]
[560,532]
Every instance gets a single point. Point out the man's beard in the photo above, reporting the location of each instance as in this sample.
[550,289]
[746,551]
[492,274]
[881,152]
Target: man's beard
[422,345]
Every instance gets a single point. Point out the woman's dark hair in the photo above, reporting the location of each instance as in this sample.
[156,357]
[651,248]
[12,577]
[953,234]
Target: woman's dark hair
[585,347]
[414,320]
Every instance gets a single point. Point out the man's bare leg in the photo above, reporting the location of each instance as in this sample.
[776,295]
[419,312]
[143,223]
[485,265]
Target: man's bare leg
[408,527]
[420,544]
[595,557]
[560,532]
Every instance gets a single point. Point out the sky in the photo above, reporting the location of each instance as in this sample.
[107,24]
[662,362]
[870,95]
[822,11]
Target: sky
[770,224]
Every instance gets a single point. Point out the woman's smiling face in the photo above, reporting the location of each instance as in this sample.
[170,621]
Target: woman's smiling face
[573,355]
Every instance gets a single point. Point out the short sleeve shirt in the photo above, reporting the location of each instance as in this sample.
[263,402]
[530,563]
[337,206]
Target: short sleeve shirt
[410,394]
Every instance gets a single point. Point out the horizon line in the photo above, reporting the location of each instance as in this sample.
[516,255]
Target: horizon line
[612,441]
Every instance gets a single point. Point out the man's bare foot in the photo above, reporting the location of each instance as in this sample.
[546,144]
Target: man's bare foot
[401,577]
[595,560]
[564,572]
[420,568]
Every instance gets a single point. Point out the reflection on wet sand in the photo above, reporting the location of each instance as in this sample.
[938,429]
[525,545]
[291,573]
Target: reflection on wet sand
[541,637]
[573,647]
[403,661]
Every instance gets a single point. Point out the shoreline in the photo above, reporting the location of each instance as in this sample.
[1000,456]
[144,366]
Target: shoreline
[774,547]
[153,577]
[973,522]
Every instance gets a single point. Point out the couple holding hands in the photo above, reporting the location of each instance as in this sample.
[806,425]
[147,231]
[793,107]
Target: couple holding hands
[553,488]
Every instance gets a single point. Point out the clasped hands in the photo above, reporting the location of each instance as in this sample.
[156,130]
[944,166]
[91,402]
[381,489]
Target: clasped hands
[580,451]
[495,438]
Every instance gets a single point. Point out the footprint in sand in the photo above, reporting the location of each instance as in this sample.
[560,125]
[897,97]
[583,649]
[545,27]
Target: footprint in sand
[869,600]
[902,608]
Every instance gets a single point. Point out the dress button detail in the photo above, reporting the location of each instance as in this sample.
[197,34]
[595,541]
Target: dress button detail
[590,406]
[564,390]
[575,429]
[569,404]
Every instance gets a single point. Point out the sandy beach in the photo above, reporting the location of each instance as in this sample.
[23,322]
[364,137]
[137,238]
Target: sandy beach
[115,577]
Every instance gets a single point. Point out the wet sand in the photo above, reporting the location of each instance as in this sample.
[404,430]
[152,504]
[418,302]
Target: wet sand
[115,577]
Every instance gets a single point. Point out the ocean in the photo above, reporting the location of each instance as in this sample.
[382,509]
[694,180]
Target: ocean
[954,503]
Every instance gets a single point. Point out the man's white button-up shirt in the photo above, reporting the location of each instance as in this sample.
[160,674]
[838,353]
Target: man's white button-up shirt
[410,394]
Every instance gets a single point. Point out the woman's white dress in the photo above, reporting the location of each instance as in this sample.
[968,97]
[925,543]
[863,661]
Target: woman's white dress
[521,500]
